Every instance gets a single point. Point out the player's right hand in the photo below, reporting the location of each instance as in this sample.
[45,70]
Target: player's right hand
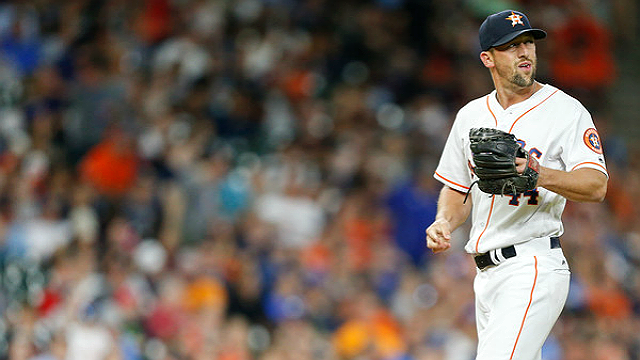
[439,236]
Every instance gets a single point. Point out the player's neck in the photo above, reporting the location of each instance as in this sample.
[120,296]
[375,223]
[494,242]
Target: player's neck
[508,95]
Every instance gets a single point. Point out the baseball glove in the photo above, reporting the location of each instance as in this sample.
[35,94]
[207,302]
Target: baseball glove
[494,155]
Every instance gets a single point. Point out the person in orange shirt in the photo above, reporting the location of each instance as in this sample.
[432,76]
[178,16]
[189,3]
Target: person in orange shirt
[112,165]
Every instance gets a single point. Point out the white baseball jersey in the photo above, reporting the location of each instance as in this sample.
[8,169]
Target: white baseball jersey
[550,125]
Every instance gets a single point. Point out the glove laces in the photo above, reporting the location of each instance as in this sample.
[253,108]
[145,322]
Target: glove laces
[513,188]
[502,193]
[469,191]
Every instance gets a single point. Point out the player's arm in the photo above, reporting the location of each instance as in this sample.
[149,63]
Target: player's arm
[583,185]
[452,212]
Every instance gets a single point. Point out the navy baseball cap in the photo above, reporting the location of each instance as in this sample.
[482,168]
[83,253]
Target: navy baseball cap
[500,28]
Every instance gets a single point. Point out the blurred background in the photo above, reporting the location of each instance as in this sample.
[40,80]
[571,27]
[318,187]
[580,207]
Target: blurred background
[251,179]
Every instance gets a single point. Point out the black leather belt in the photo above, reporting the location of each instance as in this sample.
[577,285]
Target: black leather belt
[485,260]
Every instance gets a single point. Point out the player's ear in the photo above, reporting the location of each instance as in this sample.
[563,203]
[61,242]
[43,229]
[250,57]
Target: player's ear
[487,59]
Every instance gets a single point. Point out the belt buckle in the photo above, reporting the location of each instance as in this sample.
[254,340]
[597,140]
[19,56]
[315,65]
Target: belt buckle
[484,261]
[494,257]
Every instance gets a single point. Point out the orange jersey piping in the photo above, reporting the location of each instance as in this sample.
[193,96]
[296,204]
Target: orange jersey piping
[592,163]
[535,279]
[525,113]
[492,114]
[493,199]
[451,182]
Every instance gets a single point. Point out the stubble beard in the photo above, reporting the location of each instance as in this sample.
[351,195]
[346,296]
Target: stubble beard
[524,81]
[518,79]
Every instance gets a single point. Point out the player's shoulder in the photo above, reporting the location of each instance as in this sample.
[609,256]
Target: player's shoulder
[474,107]
[562,100]
[469,114]
[476,104]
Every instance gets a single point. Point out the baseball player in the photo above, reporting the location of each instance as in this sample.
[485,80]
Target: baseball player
[522,278]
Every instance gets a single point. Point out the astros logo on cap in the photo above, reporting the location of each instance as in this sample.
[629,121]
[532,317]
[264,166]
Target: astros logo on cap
[515,19]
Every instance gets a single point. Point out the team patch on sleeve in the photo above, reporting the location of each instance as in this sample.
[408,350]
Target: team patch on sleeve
[592,140]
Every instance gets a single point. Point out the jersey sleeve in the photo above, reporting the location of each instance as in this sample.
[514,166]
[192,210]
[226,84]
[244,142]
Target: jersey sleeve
[584,148]
[452,169]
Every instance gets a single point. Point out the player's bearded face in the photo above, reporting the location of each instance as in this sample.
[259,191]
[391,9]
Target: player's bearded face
[513,73]
[516,61]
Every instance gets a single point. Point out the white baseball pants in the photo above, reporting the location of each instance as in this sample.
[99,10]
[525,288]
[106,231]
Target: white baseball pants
[519,301]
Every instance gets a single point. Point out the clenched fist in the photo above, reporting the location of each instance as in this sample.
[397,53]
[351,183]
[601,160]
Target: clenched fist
[439,236]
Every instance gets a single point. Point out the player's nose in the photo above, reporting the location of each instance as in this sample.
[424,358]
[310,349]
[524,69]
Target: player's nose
[522,50]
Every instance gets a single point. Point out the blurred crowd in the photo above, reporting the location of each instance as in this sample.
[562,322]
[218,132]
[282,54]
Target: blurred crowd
[251,179]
